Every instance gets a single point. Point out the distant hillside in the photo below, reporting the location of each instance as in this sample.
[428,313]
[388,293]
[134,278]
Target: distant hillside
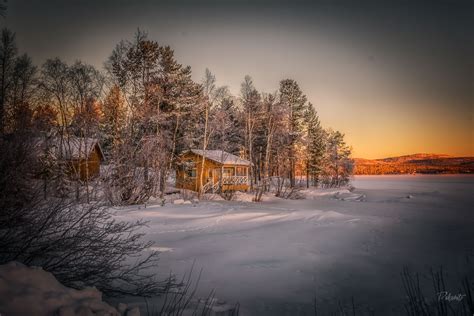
[417,163]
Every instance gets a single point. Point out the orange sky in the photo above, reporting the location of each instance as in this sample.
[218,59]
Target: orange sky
[387,134]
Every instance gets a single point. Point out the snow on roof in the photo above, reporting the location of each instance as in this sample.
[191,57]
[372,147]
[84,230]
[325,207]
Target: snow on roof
[70,147]
[222,157]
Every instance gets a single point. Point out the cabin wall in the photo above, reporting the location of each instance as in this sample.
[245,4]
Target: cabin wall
[87,168]
[240,187]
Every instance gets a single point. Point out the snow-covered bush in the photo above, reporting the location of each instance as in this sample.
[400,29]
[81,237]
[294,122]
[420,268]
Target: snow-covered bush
[227,195]
[80,243]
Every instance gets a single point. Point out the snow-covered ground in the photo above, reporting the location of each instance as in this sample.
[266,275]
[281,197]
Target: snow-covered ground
[276,256]
[32,291]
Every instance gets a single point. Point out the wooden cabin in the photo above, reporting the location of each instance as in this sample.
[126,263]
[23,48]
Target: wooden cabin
[223,171]
[83,156]
[86,158]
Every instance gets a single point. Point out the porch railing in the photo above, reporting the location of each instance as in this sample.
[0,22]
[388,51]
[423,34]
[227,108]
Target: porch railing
[235,180]
[207,187]
[229,180]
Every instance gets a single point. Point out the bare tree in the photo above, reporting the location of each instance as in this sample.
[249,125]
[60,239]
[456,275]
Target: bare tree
[210,119]
[338,164]
[8,51]
[271,119]
[160,96]
[250,101]
[80,243]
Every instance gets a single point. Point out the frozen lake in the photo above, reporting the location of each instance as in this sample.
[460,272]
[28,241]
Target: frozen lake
[275,257]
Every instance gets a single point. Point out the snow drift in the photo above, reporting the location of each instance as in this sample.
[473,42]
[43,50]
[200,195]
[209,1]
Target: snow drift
[33,291]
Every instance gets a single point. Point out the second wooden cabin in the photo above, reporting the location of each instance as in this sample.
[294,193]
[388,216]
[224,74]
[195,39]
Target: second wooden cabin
[222,171]
[82,156]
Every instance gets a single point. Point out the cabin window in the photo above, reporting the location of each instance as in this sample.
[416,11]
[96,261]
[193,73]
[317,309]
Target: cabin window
[191,173]
[241,171]
[228,172]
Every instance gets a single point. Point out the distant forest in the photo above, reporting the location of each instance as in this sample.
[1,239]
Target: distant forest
[418,163]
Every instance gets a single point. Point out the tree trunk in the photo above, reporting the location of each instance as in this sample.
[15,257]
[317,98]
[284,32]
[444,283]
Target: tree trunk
[204,146]
[307,174]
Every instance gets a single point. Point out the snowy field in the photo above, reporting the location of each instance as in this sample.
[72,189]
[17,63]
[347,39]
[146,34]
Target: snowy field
[276,256]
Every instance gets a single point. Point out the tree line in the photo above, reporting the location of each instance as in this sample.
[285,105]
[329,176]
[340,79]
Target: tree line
[145,109]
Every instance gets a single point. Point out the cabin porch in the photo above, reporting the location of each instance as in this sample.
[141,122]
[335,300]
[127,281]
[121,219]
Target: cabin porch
[235,178]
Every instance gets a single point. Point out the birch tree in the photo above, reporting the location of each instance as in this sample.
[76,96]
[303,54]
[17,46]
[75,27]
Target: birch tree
[209,90]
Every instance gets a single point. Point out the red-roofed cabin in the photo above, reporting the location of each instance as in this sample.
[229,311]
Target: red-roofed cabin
[222,171]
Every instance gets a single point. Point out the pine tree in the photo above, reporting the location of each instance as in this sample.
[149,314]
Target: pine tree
[315,146]
[181,100]
[228,136]
[113,121]
[293,99]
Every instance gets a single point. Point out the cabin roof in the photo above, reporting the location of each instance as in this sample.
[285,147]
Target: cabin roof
[71,147]
[221,157]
